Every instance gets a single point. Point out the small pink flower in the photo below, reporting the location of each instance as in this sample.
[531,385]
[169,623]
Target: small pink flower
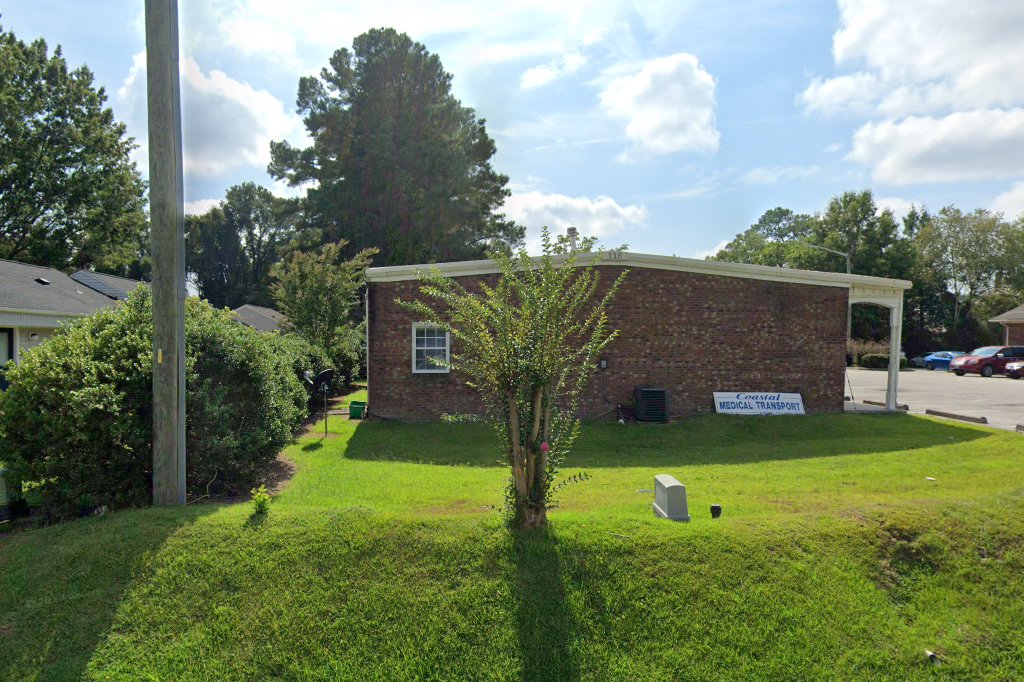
[544,447]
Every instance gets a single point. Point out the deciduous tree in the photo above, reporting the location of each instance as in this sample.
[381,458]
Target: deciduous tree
[318,293]
[232,247]
[70,195]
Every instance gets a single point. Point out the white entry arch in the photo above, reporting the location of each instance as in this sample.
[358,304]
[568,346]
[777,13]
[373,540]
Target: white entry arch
[891,298]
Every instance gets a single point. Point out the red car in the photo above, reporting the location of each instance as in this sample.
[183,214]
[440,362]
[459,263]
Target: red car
[987,360]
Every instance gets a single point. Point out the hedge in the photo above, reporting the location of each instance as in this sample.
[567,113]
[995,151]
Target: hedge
[878,361]
[76,420]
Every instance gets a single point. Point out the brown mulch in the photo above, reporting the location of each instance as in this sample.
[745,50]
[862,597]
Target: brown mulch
[280,474]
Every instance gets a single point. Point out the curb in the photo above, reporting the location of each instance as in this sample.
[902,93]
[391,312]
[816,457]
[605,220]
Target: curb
[879,403]
[953,415]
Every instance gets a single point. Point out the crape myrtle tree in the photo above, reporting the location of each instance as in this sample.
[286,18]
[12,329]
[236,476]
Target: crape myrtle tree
[319,294]
[396,162]
[528,345]
[70,195]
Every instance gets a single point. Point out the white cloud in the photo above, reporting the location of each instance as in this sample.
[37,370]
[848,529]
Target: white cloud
[708,253]
[668,106]
[598,217]
[941,81]
[899,207]
[972,145]
[832,148]
[566,65]
[773,175]
[298,34]
[924,57]
[226,123]
[853,93]
[1011,202]
[200,206]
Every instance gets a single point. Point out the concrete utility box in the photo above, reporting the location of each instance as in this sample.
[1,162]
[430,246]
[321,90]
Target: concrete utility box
[670,498]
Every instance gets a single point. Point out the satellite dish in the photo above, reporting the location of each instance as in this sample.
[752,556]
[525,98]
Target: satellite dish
[323,378]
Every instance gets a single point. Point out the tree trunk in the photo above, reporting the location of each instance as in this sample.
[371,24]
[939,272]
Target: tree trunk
[530,515]
[518,460]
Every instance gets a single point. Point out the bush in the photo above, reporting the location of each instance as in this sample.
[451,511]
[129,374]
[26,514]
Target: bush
[302,354]
[260,500]
[77,417]
[878,361]
[858,348]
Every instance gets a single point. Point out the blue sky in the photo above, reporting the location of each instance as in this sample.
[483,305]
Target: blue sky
[670,126]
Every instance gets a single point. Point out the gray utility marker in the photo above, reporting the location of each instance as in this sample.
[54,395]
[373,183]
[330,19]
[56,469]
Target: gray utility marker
[670,498]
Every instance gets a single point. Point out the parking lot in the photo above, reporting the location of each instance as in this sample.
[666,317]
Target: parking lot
[999,399]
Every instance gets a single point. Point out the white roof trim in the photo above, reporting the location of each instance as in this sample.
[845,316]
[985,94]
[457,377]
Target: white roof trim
[54,313]
[467,268]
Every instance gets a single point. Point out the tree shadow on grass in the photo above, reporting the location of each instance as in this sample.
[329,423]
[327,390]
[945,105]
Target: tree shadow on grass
[61,586]
[704,439]
[544,620]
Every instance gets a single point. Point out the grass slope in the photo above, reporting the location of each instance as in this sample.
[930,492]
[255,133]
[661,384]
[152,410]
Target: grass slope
[383,559]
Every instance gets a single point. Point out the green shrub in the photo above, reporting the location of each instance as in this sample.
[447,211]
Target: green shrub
[260,500]
[303,354]
[77,417]
[878,361]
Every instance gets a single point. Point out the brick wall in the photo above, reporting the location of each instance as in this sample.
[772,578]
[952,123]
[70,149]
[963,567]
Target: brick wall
[690,333]
[1015,334]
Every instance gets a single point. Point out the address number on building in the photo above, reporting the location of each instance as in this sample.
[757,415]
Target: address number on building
[759,403]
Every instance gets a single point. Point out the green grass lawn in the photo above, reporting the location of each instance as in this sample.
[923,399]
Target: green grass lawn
[385,558]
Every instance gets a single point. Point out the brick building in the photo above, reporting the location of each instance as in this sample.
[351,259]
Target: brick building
[1013,324]
[690,326]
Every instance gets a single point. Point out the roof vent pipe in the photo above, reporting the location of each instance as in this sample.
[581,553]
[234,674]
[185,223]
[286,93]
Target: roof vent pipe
[573,234]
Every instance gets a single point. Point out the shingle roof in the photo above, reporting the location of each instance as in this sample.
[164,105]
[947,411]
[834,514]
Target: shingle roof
[33,288]
[1015,315]
[259,318]
[115,287]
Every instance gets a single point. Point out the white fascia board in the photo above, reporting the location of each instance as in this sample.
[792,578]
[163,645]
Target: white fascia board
[35,318]
[400,273]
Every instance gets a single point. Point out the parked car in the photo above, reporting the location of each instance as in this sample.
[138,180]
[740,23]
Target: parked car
[918,361]
[987,360]
[940,359]
[1015,369]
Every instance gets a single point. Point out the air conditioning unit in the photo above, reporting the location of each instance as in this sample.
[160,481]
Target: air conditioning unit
[651,404]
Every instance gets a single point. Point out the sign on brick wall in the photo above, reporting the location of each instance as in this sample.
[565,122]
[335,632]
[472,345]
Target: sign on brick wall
[759,403]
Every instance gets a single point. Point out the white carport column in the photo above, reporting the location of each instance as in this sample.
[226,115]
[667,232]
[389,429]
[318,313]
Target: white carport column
[895,343]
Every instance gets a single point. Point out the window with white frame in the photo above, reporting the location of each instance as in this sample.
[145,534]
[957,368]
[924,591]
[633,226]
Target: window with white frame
[430,345]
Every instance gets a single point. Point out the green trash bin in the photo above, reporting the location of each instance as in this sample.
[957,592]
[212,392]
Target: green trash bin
[5,497]
[357,409]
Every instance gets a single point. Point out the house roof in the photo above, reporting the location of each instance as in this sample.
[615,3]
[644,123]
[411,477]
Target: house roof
[111,286]
[34,289]
[1011,316]
[259,318]
[643,260]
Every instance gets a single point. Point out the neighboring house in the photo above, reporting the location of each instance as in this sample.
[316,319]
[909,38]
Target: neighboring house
[692,327]
[259,318]
[35,300]
[1013,323]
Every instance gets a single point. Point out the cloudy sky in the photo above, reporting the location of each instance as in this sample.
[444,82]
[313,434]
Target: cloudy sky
[670,125]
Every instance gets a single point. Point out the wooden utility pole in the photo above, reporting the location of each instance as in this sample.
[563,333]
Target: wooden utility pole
[167,223]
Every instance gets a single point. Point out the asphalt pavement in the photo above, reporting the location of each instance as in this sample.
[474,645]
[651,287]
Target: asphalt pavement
[998,398]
